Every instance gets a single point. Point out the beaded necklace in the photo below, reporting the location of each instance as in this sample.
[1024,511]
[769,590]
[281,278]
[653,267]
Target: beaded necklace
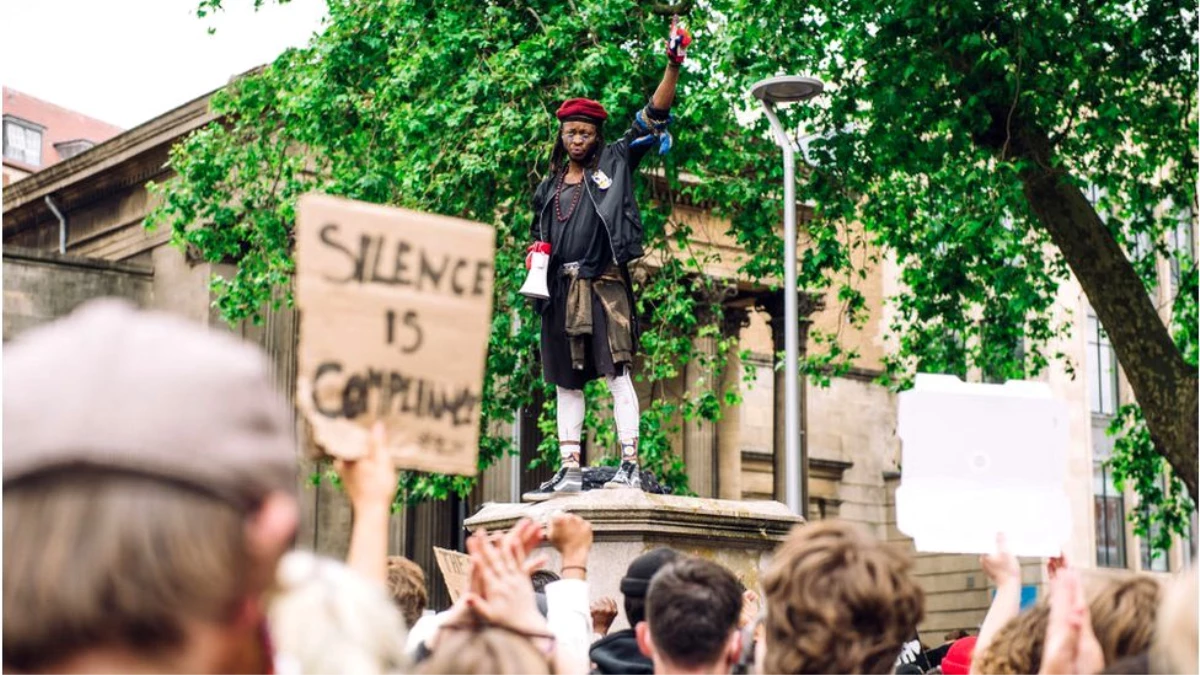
[562,179]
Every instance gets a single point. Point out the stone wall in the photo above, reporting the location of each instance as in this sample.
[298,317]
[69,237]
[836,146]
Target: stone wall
[41,286]
[854,421]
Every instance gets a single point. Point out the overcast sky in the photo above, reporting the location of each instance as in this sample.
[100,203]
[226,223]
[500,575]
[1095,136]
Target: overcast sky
[128,61]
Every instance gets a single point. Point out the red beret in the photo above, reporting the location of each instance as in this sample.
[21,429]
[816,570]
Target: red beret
[581,107]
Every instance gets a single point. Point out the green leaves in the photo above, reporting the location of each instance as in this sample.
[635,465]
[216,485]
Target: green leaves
[1164,505]
[446,107]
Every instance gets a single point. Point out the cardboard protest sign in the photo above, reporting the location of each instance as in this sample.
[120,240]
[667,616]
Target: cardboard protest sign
[395,313]
[981,459]
[456,570]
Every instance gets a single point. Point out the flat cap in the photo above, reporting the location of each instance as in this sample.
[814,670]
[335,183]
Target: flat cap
[114,388]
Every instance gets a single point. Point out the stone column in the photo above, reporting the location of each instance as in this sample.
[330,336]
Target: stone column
[699,435]
[806,306]
[729,437]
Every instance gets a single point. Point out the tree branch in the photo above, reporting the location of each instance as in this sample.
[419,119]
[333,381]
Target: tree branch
[681,7]
[1164,384]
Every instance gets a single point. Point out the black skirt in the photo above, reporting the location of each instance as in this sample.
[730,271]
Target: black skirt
[556,348]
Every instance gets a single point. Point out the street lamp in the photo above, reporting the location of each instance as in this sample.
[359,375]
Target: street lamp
[771,92]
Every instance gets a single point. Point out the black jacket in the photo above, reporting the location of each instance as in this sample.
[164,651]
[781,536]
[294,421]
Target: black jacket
[619,653]
[615,204]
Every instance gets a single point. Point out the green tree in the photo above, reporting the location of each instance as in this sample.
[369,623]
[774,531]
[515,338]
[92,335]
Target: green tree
[994,146]
[961,137]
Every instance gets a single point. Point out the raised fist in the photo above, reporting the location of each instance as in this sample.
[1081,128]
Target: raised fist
[604,611]
[677,43]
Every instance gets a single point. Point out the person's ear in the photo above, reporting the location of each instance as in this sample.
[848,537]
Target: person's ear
[733,647]
[645,643]
[269,533]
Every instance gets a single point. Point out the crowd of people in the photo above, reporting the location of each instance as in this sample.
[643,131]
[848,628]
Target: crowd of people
[150,514]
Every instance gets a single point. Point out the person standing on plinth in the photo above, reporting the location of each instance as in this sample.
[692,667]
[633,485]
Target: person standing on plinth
[586,218]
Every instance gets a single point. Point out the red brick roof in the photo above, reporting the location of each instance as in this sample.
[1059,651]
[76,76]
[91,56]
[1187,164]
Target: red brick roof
[60,125]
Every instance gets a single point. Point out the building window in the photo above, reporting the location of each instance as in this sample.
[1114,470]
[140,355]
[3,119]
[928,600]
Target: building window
[68,149]
[1102,369]
[1110,519]
[1094,195]
[22,141]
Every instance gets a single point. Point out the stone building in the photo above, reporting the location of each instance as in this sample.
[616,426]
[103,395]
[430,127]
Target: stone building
[95,244]
[38,134]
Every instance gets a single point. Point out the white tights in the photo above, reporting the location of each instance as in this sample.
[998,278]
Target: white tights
[625,410]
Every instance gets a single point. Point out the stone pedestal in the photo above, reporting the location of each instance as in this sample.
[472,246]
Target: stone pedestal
[737,534]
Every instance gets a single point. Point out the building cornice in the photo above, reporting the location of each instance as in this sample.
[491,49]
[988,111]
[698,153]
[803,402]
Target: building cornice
[50,257]
[95,164]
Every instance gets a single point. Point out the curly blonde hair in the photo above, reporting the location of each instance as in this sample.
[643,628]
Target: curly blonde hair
[1122,612]
[838,601]
[1017,646]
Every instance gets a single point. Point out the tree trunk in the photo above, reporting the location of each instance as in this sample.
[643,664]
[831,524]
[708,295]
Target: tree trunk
[1164,384]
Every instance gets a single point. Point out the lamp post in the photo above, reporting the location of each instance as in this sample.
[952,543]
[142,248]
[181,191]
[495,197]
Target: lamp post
[771,92]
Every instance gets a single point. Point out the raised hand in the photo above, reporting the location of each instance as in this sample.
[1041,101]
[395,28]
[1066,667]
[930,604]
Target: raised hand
[1002,566]
[370,479]
[572,537]
[750,605]
[604,611]
[506,595]
[1070,645]
[370,483]
[677,43]
[1055,564]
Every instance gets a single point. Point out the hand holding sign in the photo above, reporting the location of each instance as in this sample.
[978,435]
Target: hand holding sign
[1001,566]
[396,311]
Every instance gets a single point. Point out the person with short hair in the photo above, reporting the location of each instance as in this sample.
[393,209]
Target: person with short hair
[543,578]
[406,584]
[619,652]
[838,601]
[149,494]
[692,610]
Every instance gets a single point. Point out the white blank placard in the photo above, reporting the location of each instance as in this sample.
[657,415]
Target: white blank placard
[978,459]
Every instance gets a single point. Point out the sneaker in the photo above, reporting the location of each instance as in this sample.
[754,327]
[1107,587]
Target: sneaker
[566,481]
[627,477]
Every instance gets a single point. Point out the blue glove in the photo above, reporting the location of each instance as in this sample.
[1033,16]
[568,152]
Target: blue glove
[652,130]
[642,140]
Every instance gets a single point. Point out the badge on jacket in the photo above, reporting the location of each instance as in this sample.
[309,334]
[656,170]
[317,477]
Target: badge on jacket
[602,180]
